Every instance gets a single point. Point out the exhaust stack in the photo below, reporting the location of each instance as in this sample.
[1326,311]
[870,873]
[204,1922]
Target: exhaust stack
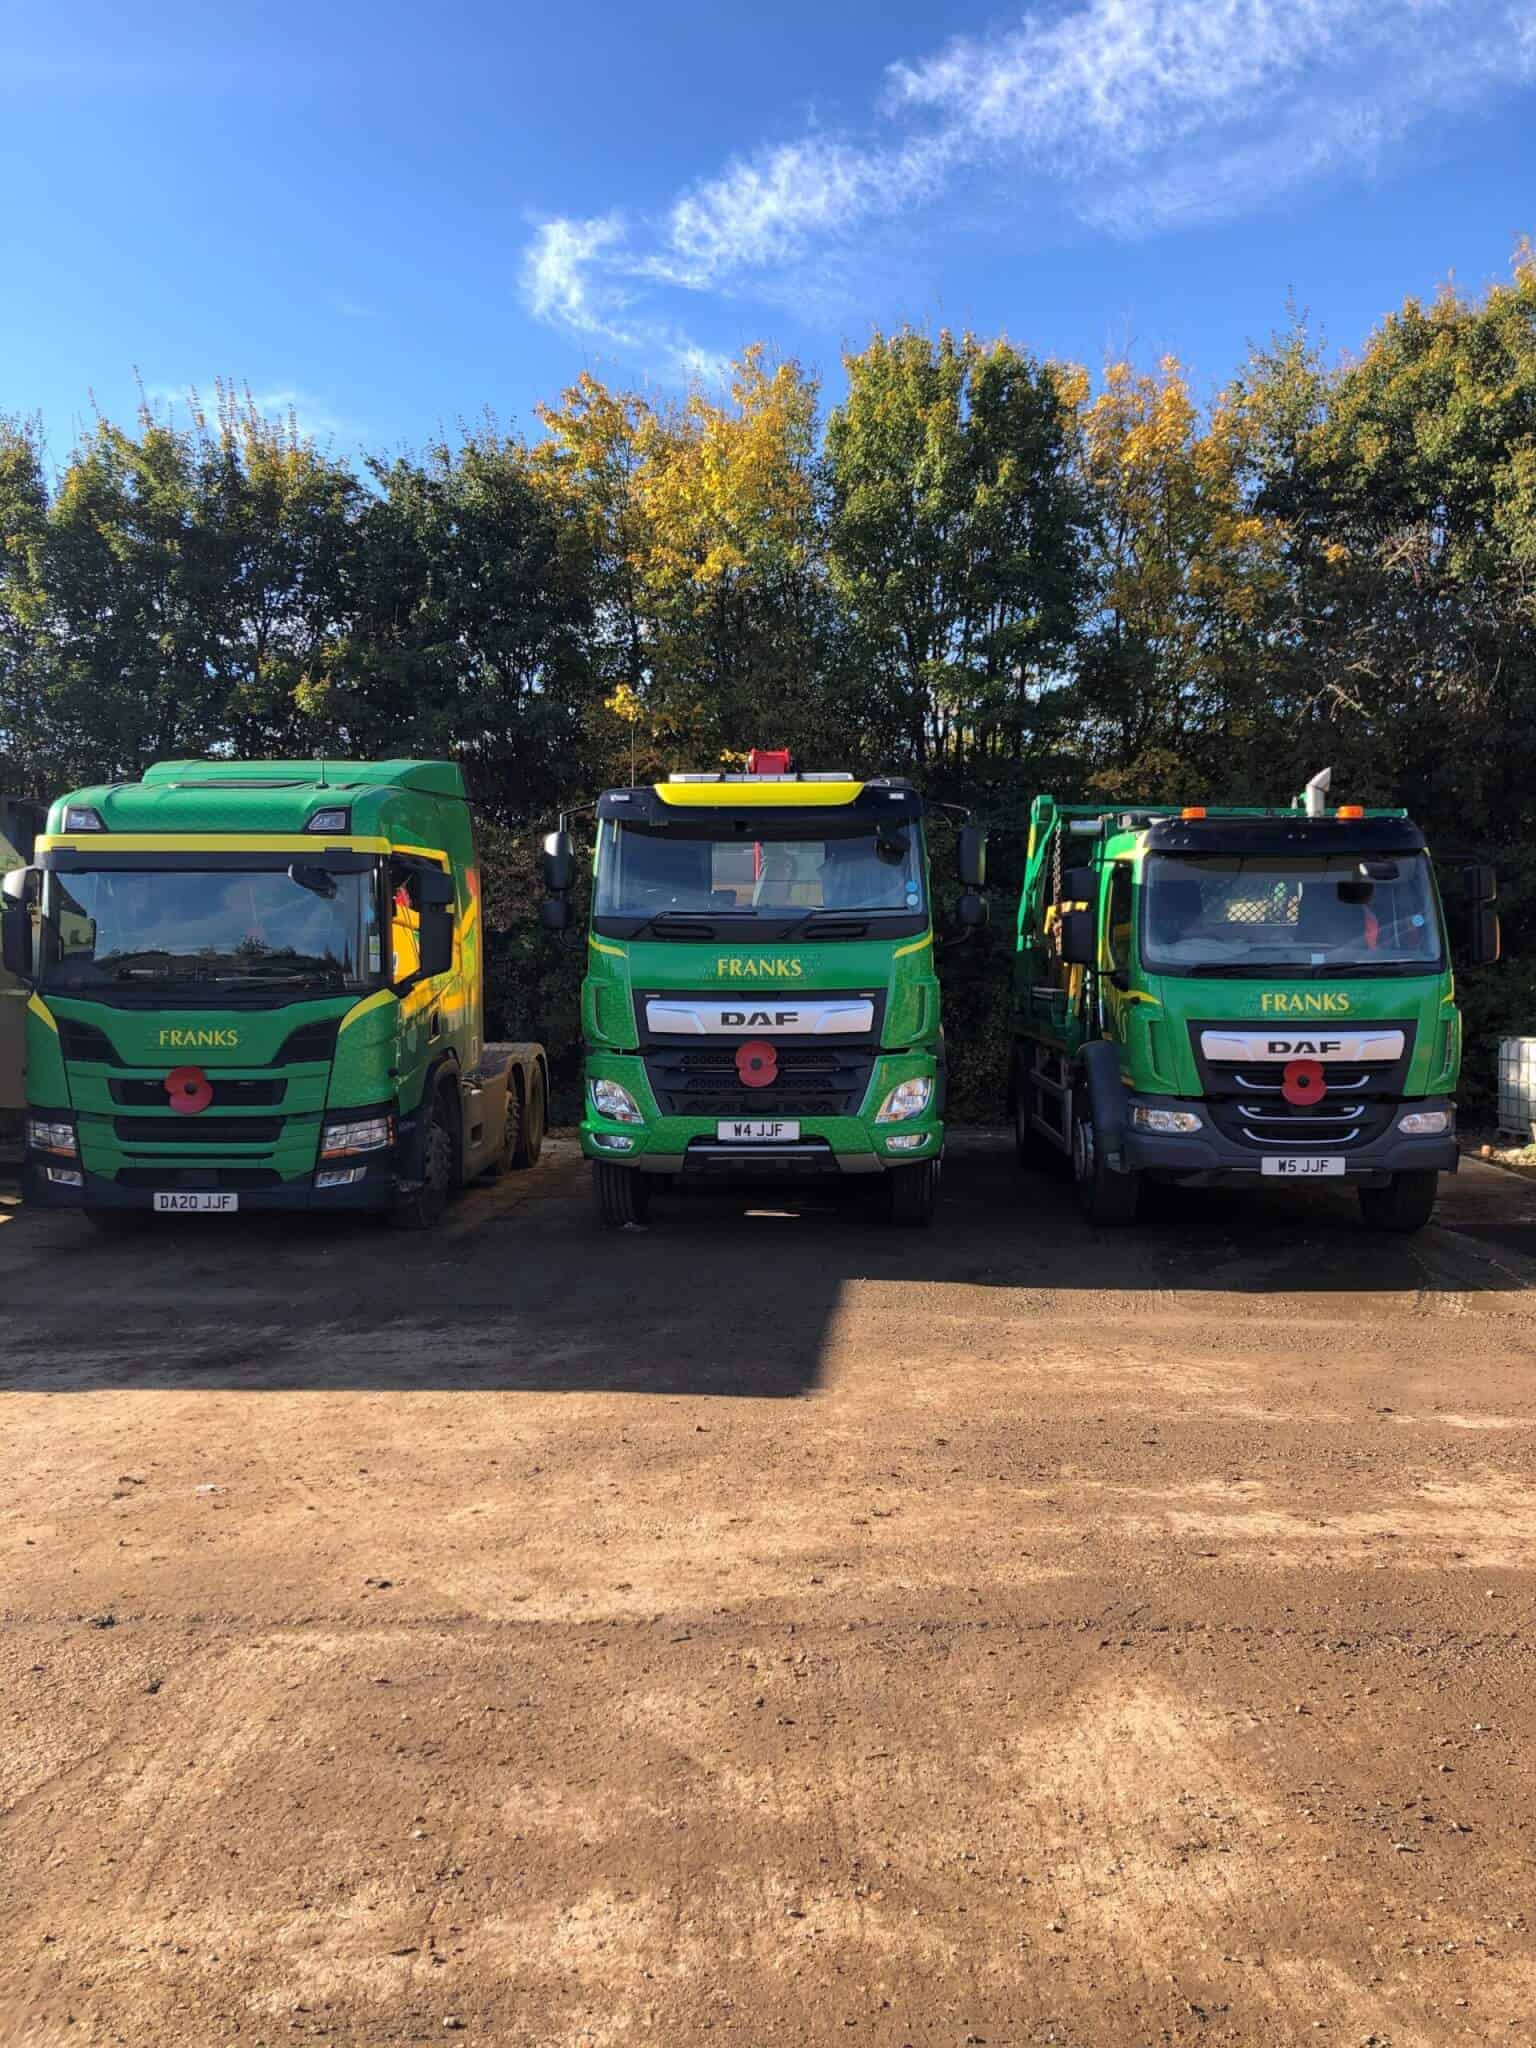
[1316,791]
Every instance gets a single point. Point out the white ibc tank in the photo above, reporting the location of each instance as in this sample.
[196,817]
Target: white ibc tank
[1517,1086]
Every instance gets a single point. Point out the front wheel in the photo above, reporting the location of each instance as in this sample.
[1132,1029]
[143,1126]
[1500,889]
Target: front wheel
[912,1193]
[424,1205]
[1405,1204]
[530,1123]
[1103,1195]
[623,1195]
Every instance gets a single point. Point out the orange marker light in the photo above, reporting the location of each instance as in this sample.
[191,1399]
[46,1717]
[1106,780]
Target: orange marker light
[1193,811]
[1351,811]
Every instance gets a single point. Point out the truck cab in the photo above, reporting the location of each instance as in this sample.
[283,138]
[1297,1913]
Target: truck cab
[259,985]
[1235,996]
[760,998]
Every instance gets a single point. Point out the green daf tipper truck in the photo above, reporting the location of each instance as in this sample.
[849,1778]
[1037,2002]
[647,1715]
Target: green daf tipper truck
[760,998]
[1230,996]
[258,985]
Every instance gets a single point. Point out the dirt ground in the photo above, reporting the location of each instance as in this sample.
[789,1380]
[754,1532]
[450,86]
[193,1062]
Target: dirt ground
[770,1627]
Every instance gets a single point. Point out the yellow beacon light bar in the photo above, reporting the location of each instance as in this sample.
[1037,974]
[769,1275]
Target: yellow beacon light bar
[774,795]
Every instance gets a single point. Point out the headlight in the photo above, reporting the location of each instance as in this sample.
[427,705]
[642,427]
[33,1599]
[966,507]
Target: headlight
[48,1137]
[365,1134]
[615,1103]
[1426,1123]
[907,1098]
[1167,1123]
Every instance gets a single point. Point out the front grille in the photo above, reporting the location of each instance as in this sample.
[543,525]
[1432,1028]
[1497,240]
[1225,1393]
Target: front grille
[812,1080]
[216,1180]
[145,1131]
[1247,1105]
[226,1094]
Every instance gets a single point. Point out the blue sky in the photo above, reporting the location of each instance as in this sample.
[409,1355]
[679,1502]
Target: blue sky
[394,217]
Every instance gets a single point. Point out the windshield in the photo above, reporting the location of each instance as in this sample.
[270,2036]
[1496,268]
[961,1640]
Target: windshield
[1342,913]
[128,928]
[647,874]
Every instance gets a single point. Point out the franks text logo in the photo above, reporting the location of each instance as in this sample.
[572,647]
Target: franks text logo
[181,1040]
[733,968]
[1320,1004]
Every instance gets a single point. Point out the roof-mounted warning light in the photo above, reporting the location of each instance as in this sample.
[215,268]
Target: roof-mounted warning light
[768,761]
[1193,811]
[1351,811]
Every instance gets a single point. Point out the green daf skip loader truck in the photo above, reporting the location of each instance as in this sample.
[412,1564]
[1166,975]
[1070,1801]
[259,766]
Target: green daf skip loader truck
[760,999]
[258,985]
[1230,996]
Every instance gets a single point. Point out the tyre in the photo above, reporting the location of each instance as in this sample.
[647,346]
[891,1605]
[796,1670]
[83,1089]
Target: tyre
[424,1206]
[623,1195]
[1103,1195]
[1405,1204]
[532,1118]
[912,1193]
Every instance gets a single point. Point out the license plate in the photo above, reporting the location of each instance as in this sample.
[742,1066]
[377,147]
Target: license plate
[1299,1166]
[179,1202]
[757,1131]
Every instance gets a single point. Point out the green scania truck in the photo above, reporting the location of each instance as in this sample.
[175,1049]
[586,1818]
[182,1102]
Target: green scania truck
[760,998]
[1240,995]
[259,985]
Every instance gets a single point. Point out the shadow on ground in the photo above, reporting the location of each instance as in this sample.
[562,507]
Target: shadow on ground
[729,1292]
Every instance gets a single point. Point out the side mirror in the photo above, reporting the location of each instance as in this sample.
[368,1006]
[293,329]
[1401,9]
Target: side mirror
[1080,938]
[971,857]
[559,863]
[434,889]
[1480,881]
[972,910]
[554,913]
[435,940]
[1486,937]
[19,890]
[1079,885]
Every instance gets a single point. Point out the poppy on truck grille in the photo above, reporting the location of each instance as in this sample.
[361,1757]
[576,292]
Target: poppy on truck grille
[757,1063]
[190,1090]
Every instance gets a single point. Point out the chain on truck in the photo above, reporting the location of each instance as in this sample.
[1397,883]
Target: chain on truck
[1213,996]
[260,985]
[760,998]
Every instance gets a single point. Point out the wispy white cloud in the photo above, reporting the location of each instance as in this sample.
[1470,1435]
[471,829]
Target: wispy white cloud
[312,417]
[1126,116]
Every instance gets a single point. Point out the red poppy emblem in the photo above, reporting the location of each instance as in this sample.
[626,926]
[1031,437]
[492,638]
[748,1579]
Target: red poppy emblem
[1304,1083]
[757,1063]
[190,1090]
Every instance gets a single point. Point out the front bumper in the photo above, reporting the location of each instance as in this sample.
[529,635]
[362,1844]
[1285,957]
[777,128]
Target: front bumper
[1208,1156]
[376,1190]
[826,1146]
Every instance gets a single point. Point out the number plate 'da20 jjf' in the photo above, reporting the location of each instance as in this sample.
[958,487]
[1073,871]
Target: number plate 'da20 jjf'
[178,1203]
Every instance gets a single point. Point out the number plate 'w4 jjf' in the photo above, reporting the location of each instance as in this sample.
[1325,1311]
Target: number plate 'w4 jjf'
[758,1131]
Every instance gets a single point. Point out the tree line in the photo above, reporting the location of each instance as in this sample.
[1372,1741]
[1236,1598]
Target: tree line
[994,572]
